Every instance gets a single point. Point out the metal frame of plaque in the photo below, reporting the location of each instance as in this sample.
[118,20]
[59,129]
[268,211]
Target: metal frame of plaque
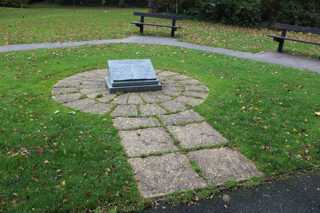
[131,76]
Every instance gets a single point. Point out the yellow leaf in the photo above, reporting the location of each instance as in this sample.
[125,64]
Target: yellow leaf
[317,113]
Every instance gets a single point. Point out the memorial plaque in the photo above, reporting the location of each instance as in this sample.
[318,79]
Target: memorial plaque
[131,76]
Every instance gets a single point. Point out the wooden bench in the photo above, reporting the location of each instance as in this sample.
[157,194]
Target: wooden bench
[141,23]
[284,28]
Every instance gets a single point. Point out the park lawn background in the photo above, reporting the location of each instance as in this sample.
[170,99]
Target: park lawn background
[41,24]
[55,159]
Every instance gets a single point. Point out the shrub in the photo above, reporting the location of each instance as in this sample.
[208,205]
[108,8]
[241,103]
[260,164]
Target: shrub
[14,3]
[244,12]
[298,12]
[170,5]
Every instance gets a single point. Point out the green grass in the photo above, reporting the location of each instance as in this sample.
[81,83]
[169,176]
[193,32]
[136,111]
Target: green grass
[52,159]
[30,25]
[65,24]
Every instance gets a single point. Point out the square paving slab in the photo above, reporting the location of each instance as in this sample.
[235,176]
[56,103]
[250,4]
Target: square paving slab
[181,118]
[146,141]
[196,135]
[125,111]
[173,106]
[161,175]
[135,123]
[222,165]
[151,109]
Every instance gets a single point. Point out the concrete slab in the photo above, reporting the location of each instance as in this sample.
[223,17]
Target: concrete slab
[144,142]
[196,135]
[161,175]
[151,110]
[173,106]
[122,123]
[221,165]
[125,111]
[181,118]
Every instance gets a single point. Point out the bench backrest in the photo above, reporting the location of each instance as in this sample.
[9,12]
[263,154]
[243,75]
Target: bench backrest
[157,15]
[296,28]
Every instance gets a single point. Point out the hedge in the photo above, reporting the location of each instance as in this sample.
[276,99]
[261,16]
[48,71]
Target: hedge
[247,12]
[14,3]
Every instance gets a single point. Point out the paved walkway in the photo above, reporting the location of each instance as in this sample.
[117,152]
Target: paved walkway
[170,147]
[295,195]
[267,57]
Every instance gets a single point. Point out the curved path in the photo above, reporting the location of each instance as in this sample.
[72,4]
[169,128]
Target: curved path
[267,57]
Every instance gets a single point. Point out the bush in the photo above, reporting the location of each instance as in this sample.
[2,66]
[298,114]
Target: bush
[120,3]
[14,3]
[245,12]
[298,12]
[176,6]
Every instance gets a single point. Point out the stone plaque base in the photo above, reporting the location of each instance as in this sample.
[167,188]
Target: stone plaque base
[131,76]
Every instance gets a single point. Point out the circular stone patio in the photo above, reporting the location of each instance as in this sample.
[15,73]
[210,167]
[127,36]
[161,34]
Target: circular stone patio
[87,92]
[160,132]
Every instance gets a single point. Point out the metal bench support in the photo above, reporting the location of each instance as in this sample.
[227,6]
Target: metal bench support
[281,41]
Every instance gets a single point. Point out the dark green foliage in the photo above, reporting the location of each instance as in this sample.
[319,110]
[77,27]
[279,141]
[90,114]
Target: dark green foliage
[298,12]
[245,12]
[248,12]
[120,3]
[14,3]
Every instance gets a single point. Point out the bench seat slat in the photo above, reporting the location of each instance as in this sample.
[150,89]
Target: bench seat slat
[276,37]
[296,28]
[155,25]
[158,15]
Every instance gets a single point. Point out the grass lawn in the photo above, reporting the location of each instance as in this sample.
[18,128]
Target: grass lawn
[55,159]
[62,24]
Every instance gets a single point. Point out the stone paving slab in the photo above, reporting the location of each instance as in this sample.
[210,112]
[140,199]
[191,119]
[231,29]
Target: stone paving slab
[196,135]
[106,99]
[64,90]
[222,165]
[81,104]
[161,175]
[144,142]
[196,88]
[125,111]
[181,118]
[151,109]
[173,106]
[196,94]
[122,99]
[65,98]
[65,83]
[134,98]
[123,123]
[99,108]
[191,101]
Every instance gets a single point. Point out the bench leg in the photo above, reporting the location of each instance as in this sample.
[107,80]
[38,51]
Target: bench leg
[281,41]
[172,33]
[280,47]
[173,29]
[141,25]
